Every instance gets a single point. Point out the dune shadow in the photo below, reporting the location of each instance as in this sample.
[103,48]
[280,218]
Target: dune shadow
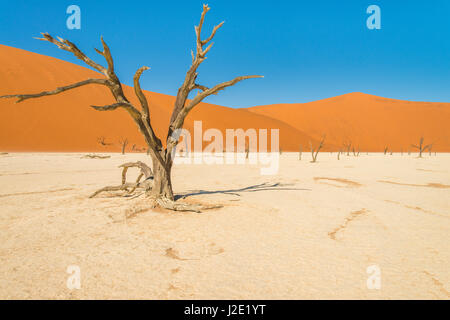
[236,192]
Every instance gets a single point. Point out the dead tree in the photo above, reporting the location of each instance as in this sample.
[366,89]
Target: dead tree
[386,150]
[347,146]
[314,153]
[339,154]
[421,147]
[123,143]
[136,148]
[247,150]
[162,158]
[300,153]
[101,140]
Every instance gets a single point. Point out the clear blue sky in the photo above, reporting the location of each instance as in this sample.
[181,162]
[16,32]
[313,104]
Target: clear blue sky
[307,50]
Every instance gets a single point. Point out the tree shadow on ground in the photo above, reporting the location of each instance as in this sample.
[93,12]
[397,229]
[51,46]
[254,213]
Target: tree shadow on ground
[236,192]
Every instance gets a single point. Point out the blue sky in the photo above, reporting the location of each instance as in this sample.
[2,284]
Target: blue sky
[307,50]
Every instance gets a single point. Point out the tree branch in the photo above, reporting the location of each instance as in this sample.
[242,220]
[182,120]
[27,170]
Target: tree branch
[69,46]
[106,53]
[199,98]
[140,94]
[22,97]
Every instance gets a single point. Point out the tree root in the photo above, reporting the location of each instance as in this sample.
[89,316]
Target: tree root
[145,186]
[129,187]
[183,207]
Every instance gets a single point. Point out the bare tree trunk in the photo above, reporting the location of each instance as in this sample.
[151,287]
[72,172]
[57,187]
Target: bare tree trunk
[162,181]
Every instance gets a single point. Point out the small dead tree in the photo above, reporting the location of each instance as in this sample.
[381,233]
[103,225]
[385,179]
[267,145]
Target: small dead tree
[421,147]
[347,146]
[300,153]
[247,150]
[339,154]
[162,158]
[314,153]
[123,143]
[386,149]
[102,141]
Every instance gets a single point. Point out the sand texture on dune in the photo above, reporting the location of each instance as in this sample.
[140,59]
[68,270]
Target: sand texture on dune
[308,232]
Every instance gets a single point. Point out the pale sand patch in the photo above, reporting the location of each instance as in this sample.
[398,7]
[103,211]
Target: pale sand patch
[271,239]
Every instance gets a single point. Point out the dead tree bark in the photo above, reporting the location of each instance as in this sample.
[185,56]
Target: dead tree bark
[123,142]
[421,147]
[162,158]
[314,153]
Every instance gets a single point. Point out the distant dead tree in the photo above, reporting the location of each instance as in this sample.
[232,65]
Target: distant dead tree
[421,147]
[339,154]
[314,153]
[429,149]
[386,149]
[281,151]
[359,151]
[135,148]
[247,150]
[300,153]
[347,146]
[160,191]
[101,140]
[123,143]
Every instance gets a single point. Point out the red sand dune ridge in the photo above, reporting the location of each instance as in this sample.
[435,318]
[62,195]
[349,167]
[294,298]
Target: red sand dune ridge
[66,123]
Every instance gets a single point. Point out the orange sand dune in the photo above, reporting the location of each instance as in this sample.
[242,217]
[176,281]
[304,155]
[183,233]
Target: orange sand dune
[368,121]
[65,122]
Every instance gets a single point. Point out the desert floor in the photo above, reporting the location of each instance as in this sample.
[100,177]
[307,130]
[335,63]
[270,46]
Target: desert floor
[309,232]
